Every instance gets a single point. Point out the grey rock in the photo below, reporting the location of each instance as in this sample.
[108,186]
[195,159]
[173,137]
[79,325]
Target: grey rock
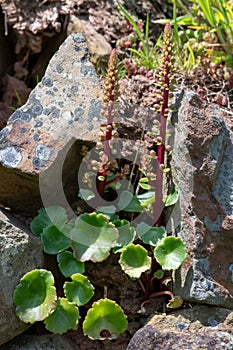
[98,46]
[202,169]
[65,107]
[20,252]
[38,342]
[200,327]
[41,146]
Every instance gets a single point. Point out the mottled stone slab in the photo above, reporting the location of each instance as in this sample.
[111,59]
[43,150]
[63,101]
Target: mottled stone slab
[20,252]
[98,46]
[201,327]
[203,173]
[64,106]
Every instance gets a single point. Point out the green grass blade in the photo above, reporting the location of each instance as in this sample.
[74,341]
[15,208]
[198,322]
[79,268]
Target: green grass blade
[227,11]
[175,25]
[176,34]
[208,11]
[137,53]
[133,23]
[147,34]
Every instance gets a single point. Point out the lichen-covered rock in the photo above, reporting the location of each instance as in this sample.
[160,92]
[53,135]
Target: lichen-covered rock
[20,252]
[98,46]
[201,327]
[203,173]
[38,342]
[63,107]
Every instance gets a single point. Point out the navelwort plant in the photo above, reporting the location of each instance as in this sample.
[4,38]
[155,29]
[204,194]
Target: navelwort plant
[145,252]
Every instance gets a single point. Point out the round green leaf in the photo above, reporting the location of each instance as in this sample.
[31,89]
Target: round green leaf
[128,202]
[54,241]
[172,198]
[69,265]
[80,290]
[146,198]
[40,222]
[107,210]
[35,296]
[63,318]
[86,194]
[170,253]
[95,236]
[126,234]
[153,235]
[54,215]
[134,260]
[104,315]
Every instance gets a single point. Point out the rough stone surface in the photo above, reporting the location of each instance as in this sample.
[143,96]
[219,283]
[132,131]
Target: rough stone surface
[203,173]
[63,107]
[27,21]
[37,342]
[20,252]
[201,327]
[98,46]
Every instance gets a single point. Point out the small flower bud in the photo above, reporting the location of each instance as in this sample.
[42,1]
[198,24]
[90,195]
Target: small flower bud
[162,166]
[152,153]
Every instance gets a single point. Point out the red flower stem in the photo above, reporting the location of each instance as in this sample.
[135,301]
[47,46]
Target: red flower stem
[159,205]
[160,161]
[108,134]
[109,182]
[101,184]
[110,95]
[146,279]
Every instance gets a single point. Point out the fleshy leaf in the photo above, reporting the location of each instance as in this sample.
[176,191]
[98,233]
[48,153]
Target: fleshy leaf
[95,236]
[134,260]
[128,202]
[54,241]
[126,234]
[104,315]
[153,235]
[170,253]
[35,296]
[86,194]
[64,317]
[69,265]
[142,228]
[80,290]
[146,198]
[106,210]
[144,180]
[54,215]
[159,274]
[172,198]
[145,186]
